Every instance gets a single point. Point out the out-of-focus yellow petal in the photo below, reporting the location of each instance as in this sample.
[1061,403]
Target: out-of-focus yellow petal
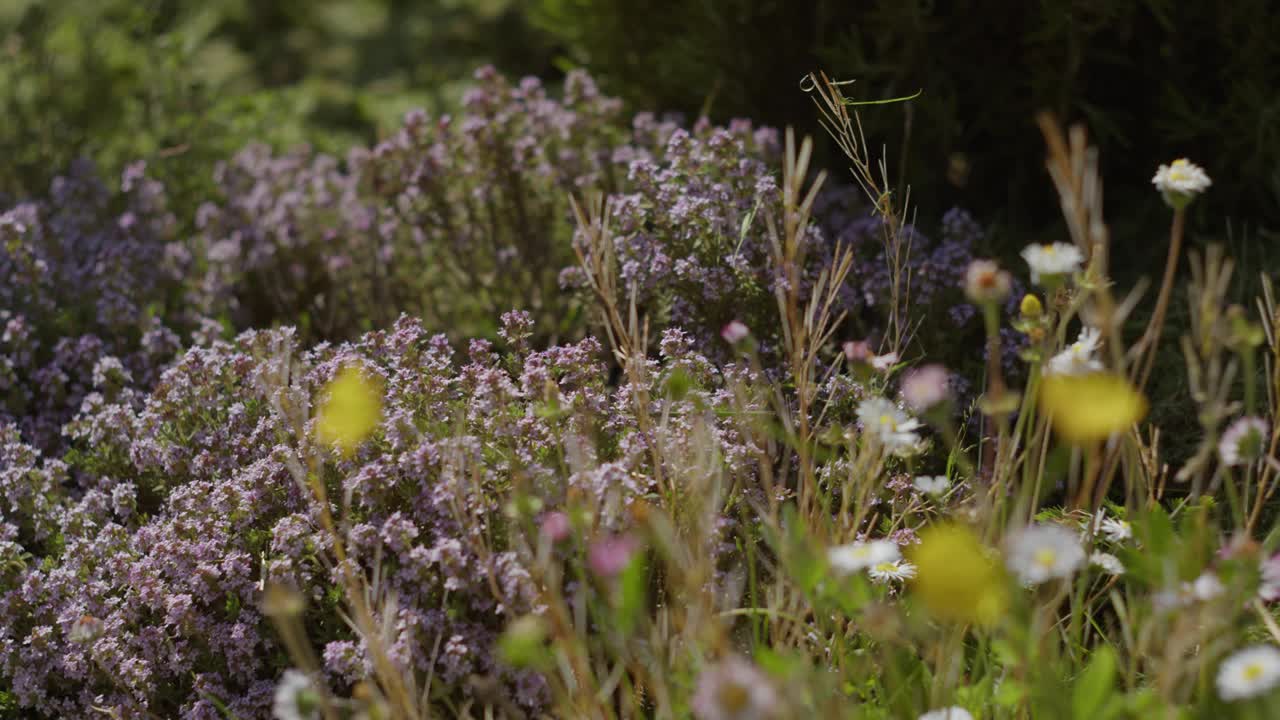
[957,578]
[1090,407]
[350,409]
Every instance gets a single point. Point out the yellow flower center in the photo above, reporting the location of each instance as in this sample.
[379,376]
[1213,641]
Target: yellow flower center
[1252,672]
[886,567]
[1049,249]
[734,698]
[888,420]
[1045,557]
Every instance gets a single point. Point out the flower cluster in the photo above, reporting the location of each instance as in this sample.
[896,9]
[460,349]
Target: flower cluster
[452,218]
[91,282]
[142,565]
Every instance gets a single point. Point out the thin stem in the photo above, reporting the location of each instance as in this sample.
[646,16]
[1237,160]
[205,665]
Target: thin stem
[1151,338]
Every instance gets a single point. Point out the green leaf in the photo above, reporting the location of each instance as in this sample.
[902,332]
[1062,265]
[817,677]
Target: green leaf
[678,384]
[632,589]
[1011,693]
[1094,686]
[524,644]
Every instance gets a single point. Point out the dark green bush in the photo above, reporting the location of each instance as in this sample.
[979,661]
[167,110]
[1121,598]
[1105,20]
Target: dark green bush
[1152,79]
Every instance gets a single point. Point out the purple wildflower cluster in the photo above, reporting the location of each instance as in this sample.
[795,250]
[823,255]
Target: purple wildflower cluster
[87,280]
[148,496]
[455,219]
[134,570]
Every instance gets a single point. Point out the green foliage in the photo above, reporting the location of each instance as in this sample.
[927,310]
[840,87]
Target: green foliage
[184,84]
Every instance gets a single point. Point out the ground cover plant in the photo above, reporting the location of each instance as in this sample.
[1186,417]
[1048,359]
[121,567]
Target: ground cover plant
[548,411]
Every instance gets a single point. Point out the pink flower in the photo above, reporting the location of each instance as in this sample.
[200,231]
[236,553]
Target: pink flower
[555,526]
[609,556]
[735,332]
[926,387]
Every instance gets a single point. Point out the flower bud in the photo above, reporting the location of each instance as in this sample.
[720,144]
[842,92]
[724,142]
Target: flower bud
[1030,307]
[985,283]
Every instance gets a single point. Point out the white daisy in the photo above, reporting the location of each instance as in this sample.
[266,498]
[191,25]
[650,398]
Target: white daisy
[1249,673]
[734,689]
[1244,442]
[1181,179]
[1204,588]
[935,485]
[1039,553]
[885,362]
[295,698]
[1269,587]
[1109,563]
[1078,358]
[1113,529]
[858,352]
[895,429]
[891,571]
[856,556]
[1207,587]
[955,712]
[1052,261]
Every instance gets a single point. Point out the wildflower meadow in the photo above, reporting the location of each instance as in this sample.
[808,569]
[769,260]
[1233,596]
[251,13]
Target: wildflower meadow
[551,406]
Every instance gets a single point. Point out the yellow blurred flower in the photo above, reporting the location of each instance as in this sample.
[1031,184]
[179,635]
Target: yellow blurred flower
[1090,407]
[350,409]
[957,578]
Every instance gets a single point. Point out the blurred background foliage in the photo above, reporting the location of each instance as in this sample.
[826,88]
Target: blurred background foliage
[184,83]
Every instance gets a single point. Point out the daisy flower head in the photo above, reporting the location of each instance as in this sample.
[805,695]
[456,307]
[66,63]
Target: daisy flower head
[1109,563]
[1113,529]
[955,712]
[1249,673]
[1049,263]
[1269,587]
[734,689]
[892,571]
[931,485]
[985,282]
[1244,441]
[1039,553]
[295,698]
[1078,358]
[1180,182]
[861,555]
[1207,587]
[859,354]
[890,424]
[926,387]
